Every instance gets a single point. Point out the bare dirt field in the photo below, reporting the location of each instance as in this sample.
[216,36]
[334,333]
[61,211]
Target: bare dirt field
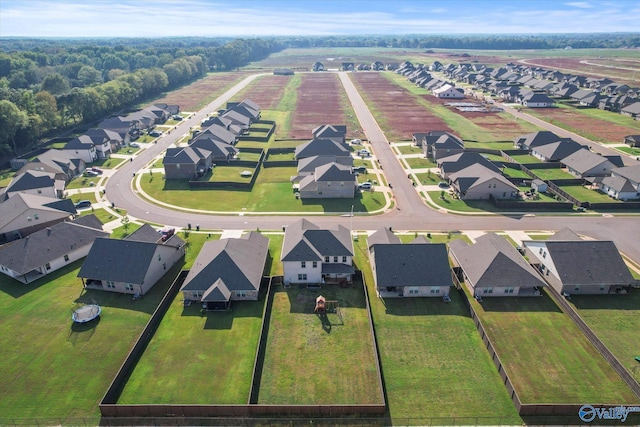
[589,127]
[196,95]
[397,111]
[265,91]
[320,100]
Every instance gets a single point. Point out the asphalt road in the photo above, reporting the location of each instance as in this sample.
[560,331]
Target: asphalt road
[411,213]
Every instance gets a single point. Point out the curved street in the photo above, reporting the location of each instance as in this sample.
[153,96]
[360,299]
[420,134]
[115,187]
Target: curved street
[411,212]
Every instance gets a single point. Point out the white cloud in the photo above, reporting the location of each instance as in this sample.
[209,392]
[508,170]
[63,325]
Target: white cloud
[580,4]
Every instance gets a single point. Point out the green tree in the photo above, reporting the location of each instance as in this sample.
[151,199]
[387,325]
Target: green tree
[55,84]
[12,119]
[88,75]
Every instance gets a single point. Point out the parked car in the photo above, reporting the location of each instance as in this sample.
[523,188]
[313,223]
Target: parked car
[356,141]
[134,145]
[96,170]
[360,169]
[364,153]
[178,118]
[83,204]
[365,186]
[443,184]
[155,133]
[90,173]
[167,232]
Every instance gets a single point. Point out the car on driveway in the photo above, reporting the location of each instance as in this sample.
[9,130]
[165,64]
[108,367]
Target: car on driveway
[134,145]
[90,173]
[167,232]
[356,141]
[83,204]
[443,184]
[155,133]
[360,169]
[364,153]
[96,170]
[365,186]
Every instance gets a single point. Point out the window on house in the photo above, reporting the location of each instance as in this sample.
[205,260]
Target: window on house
[335,259]
[128,286]
[577,288]
[344,259]
[435,290]
[326,259]
[302,277]
[548,271]
[508,290]
[544,255]
[315,264]
[110,284]
[47,266]
[164,266]
[66,257]
[39,191]
[159,257]
[303,264]
[36,217]
[177,165]
[540,250]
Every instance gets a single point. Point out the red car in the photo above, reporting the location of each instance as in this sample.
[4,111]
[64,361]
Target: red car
[167,232]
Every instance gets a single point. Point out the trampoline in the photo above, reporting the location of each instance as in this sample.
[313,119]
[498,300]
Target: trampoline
[86,313]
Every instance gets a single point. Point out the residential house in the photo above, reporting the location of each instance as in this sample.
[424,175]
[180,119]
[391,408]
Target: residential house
[218,133]
[247,108]
[478,182]
[492,267]
[459,161]
[220,151]
[49,249]
[238,119]
[315,256]
[537,100]
[318,66]
[436,145]
[409,270]
[23,214]
[623,184]
[631,110]
[556,151]
[227,270]
[59,162]
[114,139]
[534,139]
[128,128]
[308,165]
[335,132]
[584,163]
[580,266]
[321,147]
[36,182]
[329,181]
[186,163]
[132,265]
[84,147]
[632,140]
[448,91]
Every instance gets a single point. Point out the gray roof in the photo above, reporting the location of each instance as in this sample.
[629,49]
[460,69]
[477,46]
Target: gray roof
[632,173]
[619,184]
[185,156]
[632,109]
[565,234]
[321,147]
[146,233]
[559,149]
[382,236]
[237,264]
[334,172]
[493,261]
[217,149]
[305,241]
[309,164]
[456,162]
[416,264]
[584,160]
[20,203]
[41,247]
[123,260]
[30,180]
[534,139]
[475,175]
[329,131]
[218,133]
[82,142]
[589,262]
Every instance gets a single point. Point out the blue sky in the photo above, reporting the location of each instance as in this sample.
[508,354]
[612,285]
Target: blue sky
[154,18]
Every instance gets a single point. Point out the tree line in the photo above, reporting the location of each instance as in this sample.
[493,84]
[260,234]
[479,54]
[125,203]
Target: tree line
[49,85]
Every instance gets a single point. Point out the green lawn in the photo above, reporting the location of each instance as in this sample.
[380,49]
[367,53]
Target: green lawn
[319,359]
[419,163]
[52,367]
[461,205]
[616,321]
[546,356]
[229,173]
[6,175]
[281,156]
[83,182]
[272,192]
[433,360]
[251,157]
[409,149]
[491,145]
[634,151]
[525,158]
[585,194]
[515,173]
[550,174]
[428,178]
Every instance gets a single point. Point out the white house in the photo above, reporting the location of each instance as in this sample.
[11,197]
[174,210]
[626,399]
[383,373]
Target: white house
[448,91]
[313,255]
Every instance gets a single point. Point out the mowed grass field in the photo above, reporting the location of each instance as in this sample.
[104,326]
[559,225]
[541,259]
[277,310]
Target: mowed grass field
[319,359]
[433,360]
[546,356]
[52,367]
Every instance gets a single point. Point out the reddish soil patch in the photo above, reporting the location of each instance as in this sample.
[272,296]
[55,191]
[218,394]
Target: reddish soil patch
[321,100]
[598,130]
[265,91]
[194,96]
[398,112]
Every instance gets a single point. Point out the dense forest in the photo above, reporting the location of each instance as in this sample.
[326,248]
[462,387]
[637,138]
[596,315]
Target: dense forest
[48,85]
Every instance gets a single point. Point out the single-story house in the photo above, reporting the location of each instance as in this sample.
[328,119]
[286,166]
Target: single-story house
[132,265]
[336,132]
[492,267]
[478,182]
[321,147]
[623,184]
[537,100]
[329,181]
[580,266]
[37,183]
[316,256]
[227,270]
[409,270]
[462,160]
[534,139]
[632,110]
[436,145]
[49,249]
[23,214]
[556,151]
[632,140]
[448,91]
[584,163]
